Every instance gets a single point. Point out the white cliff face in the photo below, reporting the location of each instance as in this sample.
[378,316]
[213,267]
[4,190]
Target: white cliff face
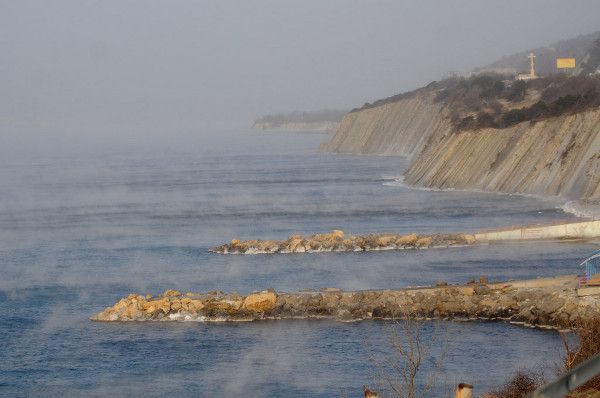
[395,128]
[555,157]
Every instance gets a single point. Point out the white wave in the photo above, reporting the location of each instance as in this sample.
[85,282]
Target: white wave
[399,182]
[186,317]
[582,209]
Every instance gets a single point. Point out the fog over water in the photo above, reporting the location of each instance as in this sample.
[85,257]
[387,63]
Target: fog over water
[79,230]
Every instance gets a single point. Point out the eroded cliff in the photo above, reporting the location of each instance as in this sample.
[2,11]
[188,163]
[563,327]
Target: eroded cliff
[488,133]
[393,128]
[556,156]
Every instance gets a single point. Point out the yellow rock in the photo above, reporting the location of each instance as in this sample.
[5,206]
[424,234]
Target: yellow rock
[132,312]
[424,241]
[468,238]
[384,241]
[121,305]
[295,241]
[151,309]
[171,293]
[153,306]
[227,305]
[235,242]
[338,234]
[407,240]
[260,302]
[165,305]
[195,305]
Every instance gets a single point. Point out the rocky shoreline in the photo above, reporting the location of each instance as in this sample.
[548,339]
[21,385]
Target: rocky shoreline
[337,241]
[545,302]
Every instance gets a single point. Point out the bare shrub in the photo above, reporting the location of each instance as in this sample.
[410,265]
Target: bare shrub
[587,336]
[411,347]
[520,385]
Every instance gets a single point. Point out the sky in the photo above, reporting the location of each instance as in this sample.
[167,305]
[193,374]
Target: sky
[109,68]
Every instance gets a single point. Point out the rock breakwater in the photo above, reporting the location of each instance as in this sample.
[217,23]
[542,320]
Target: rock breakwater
[337,241]
[553,302]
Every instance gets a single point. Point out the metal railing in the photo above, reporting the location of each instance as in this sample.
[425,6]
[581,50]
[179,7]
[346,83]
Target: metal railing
[573,379]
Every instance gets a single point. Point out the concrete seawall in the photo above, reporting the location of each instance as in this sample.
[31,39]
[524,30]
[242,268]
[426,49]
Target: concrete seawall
[553,302]
[578,230]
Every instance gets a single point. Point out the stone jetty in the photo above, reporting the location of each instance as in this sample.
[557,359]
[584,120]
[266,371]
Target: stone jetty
[337,241]
[551,302]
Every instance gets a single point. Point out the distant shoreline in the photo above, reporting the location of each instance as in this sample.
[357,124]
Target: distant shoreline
[313,127]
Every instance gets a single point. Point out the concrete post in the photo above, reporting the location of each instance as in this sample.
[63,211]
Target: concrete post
[464,391]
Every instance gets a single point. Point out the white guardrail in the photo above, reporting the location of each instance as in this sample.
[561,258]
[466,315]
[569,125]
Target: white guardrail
[573,379]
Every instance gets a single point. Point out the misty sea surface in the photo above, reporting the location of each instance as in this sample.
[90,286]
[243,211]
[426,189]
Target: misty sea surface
[83,226]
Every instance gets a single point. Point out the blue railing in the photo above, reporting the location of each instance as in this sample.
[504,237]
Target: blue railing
[591,265]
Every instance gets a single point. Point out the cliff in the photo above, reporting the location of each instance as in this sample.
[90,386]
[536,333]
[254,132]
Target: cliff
[583,48]
[556,156]
[392,128]
[488,132]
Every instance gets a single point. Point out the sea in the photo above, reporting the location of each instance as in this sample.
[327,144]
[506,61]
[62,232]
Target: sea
[83,225]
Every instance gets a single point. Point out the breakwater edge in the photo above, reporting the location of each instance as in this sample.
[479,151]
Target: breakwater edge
[544,302]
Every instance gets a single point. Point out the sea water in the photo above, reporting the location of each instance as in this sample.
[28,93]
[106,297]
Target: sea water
[83,226]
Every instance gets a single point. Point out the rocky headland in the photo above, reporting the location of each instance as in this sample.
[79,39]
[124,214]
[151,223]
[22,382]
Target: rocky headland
[488,132]
[545,302]
[337,241]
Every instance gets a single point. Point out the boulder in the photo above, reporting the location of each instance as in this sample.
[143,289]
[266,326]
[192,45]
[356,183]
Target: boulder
[194,306]
[385,241]
[407,240]
[424,241]
[482,289]
[171,293]
[294,242]
[338,234]
[153,307]
[260,302]
[467,238]
[226,305]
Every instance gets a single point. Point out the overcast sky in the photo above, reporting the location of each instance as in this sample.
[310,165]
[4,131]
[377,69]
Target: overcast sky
[111,67]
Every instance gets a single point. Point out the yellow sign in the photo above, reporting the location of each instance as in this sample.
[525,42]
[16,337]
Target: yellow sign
[565,63]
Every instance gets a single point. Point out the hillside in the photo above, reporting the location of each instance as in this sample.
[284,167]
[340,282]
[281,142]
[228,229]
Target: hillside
[584,48]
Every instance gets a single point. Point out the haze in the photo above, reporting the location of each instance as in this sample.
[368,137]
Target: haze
[157,68]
